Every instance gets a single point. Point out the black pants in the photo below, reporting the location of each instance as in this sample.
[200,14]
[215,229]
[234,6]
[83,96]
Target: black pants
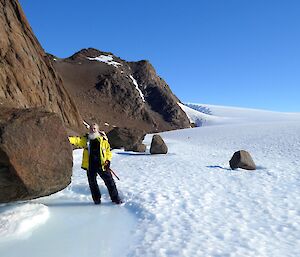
[94,169]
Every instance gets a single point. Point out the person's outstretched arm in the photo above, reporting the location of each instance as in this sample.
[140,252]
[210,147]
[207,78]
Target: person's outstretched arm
[78,141]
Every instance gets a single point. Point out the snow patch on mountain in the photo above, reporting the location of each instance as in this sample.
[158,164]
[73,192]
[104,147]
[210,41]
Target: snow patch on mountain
[137,87]
[108,59]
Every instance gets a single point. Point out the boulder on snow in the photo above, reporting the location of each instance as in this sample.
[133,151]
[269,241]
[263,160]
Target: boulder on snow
[139,148]
[125,137]
[158,146]
[242,159]
[35,155]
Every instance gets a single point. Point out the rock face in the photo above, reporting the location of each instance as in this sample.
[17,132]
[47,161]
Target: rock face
[35,155]
[158,146]
[27,76]
[110,90]
[125,137]
[242,159]
[158,95]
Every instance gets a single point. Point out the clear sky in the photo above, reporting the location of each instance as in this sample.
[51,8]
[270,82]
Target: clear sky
[242,53]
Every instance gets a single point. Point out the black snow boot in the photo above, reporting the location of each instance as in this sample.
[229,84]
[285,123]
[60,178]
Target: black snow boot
[118,201]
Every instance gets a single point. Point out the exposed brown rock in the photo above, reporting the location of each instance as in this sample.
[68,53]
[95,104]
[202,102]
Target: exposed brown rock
[35,155]
[159,95]
[158,146]
[125,137]
[106,93]
[27,76]
[139,148]
[242,159]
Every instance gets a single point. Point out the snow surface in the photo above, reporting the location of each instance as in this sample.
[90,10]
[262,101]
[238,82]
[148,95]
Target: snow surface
[108,59]
[185,203]
[17,220]
[137,87]
[207,115]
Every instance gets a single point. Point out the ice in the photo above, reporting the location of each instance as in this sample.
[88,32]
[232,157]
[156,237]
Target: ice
[200,118]
[75,226]
[18,221]
[185,203]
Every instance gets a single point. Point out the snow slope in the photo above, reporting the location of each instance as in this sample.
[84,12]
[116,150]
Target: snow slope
[185,203]
[207,115]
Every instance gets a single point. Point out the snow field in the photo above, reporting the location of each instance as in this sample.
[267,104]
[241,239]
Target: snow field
[212,115]
[185,203]
[196,206]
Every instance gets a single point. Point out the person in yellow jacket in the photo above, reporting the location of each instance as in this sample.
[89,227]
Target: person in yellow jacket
[96,160]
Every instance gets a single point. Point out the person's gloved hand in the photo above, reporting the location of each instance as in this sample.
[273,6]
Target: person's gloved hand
[107,165]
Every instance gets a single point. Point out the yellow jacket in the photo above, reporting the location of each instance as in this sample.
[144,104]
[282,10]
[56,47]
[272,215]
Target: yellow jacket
[82,142]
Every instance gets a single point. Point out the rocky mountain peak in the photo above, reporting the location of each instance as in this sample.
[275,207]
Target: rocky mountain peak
[86,53]
[110,90]
[144,69]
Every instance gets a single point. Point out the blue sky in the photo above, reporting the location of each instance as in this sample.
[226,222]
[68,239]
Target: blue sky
[242,53]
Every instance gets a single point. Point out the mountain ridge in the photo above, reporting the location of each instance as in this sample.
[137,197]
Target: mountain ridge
[111,90]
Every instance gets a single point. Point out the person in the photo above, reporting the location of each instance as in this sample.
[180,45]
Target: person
[96,160]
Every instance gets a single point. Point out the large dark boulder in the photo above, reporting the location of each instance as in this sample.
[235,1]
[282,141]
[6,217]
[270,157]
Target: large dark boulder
[125,137]
[242,159]
[35,155]
[158,146]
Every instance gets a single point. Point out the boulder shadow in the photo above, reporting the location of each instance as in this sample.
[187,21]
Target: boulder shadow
[217,167]
[133,154]
[68,204]
[260,167]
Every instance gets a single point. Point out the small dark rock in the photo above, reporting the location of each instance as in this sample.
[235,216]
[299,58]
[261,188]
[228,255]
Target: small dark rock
[242,159]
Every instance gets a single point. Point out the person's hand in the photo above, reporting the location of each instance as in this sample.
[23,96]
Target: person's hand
[107,165]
